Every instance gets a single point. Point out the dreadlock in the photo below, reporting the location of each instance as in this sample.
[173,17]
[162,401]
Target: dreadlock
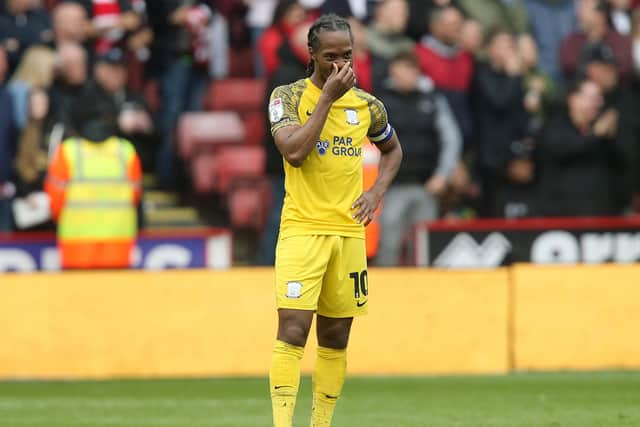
[330,22]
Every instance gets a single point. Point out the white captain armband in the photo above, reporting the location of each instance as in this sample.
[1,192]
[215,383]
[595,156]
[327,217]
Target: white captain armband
[383,136]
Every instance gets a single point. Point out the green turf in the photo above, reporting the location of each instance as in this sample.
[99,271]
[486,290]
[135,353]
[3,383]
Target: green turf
[559,399]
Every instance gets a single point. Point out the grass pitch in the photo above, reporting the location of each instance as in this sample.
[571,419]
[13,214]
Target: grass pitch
[536,400]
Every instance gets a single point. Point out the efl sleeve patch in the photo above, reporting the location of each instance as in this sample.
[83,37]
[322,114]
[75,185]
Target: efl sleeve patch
[276,110]
[283,108]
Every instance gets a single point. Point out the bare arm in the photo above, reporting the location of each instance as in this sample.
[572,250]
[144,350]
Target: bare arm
[390,160]
[296,142]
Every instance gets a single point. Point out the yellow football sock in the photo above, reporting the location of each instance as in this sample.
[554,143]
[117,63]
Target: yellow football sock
[284,379]
[328,379]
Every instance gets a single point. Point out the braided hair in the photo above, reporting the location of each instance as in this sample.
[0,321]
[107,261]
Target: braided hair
[329,22]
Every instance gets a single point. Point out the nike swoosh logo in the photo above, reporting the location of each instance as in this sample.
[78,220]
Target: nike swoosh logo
[309,113]
[276,387]
[361,304]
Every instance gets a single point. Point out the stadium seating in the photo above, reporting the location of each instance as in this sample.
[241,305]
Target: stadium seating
[241,62]
[239,166]
[255,126]
[238,94]
[237,173]
[206,131]
[240,176]
[245,96]
[203,172]
[248,206]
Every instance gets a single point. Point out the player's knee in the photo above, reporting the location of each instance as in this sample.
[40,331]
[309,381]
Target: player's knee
[294,333]
[338,343]
[334,337]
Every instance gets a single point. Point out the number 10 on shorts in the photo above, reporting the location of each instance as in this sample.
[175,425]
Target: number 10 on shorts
[360,283]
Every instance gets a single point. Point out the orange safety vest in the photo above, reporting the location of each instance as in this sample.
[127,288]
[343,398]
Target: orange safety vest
[370,161]
[97,223]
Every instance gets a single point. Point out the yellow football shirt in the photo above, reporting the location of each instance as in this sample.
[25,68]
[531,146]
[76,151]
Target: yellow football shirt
[319,194]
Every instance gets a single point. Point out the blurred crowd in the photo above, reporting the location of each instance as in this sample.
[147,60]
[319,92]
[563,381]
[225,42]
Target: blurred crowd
[504,108]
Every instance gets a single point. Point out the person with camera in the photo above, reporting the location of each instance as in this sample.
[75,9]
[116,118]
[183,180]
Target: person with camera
[580,156]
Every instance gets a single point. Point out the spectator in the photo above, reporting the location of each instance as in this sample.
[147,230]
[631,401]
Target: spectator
[386,35]
[471,36]
[134,120]
[70,81]
[220,38]
[109,21]
[500,121]
[293,59]
[259,18]
[23,23]
[362,60]
[620,16]
[33,157]
[419,11]
[137,44]
[492,14]
[355,8]
[594,30]
[461,194]
[178,63]
[7,147]
[636,43]
[431,142]
[551,22]
[520,194]
[36,70]
[287,16]
[449,66]
[539,87]
[579,156]
[70,23]
[93,182]
[601,68]
[139,40]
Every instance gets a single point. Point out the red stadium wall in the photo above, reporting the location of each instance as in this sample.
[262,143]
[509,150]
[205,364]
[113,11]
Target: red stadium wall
[212,323]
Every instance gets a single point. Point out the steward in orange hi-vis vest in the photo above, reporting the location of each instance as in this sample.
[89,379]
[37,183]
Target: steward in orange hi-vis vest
[93,182]
[94,189]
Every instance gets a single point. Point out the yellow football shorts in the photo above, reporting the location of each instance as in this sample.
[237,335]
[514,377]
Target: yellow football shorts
[324,273]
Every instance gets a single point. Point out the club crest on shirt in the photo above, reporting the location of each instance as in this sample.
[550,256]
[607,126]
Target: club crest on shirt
[294,289]
[276,110]
[322,147]
[352,116]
